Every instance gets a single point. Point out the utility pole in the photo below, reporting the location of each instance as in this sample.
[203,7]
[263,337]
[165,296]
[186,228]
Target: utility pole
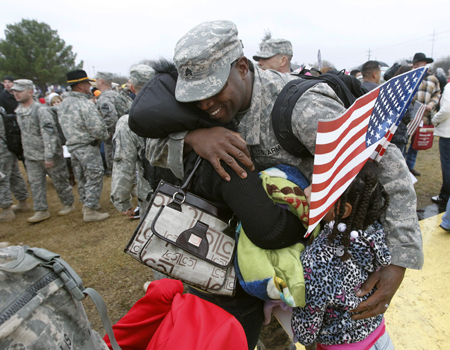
[432,45]
[368,58]
[93,68]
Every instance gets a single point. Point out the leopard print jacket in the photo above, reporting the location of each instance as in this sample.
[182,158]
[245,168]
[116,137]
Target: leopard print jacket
[331,286]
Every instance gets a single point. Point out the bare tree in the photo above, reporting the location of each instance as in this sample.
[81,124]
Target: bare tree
[267,36]
[443,63]
[325,63]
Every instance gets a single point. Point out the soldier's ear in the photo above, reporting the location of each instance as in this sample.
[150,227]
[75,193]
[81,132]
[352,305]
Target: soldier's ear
[242,66]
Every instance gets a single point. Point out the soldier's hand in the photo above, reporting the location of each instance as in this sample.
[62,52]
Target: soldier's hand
[215,144]
[129,213]
[387,280]
[48,164]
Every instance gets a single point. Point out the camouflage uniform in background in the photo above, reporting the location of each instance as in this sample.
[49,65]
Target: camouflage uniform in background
[11,180]
[84,128]
[403,235]
[112,106]
[129,150]
[40,142]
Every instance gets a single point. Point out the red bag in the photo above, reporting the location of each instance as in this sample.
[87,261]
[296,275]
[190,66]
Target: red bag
[423,138]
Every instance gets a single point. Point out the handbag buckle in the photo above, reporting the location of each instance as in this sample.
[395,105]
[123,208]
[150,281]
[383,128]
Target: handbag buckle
[175,199]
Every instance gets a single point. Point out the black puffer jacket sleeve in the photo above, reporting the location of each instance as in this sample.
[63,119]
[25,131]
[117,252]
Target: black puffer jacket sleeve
[155,113]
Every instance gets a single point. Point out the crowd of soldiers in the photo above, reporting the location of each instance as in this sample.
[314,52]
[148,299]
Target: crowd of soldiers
[75,121]
[82,126]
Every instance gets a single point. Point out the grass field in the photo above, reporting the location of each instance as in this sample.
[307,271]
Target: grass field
[95,250]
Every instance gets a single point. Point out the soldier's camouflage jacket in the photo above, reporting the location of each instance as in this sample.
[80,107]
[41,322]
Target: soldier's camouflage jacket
[4,151]
[80,121]
[128,152]
[400,221]
[40,140]
[112,106]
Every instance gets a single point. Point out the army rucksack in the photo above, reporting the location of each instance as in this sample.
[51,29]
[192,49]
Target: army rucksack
[40,304]
[346,87]
[54,112]
[12,133]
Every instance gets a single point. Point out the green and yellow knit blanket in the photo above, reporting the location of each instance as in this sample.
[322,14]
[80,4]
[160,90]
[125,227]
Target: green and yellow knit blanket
[278,273]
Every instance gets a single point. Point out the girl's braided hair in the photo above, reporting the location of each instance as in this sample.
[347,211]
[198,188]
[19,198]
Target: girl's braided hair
[368,199]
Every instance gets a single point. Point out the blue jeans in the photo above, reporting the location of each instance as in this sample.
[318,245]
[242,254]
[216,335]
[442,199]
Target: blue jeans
[444,151]
[383,343]
[247,309]
[446,217]
[411,156]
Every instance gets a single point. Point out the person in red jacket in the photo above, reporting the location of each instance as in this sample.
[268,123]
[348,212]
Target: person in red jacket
[167,319]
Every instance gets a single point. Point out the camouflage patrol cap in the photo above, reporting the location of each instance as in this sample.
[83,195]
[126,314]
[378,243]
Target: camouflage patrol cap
[203,58]
[272,47]
[140,74]
[22,84]
[104,75]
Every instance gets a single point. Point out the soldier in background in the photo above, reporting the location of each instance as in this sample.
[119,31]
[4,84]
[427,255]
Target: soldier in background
[275,54]
[43,152]
[84,129]
[129,155]
[11,180]
[111,106]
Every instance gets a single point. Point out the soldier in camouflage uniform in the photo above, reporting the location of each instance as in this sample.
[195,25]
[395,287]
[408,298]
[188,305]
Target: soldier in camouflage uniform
[213,71]
[111,106]
[129,154]
[42,151]
[11,180]
[84,129]
[275,54]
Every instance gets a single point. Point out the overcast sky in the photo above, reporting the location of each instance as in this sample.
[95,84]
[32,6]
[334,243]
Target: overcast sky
[114,35]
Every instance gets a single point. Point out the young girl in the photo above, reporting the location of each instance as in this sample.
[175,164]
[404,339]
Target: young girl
[350,246]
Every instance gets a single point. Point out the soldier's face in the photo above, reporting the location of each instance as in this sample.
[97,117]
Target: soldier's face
[235,96]
[85,87]
[23,96]
[273,62]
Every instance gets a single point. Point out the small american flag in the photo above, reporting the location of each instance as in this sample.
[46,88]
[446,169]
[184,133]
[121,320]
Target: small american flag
[343,145]
[419,110]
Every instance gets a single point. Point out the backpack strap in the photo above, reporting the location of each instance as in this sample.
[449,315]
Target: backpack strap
[282,116]
[347,88]
[74,285]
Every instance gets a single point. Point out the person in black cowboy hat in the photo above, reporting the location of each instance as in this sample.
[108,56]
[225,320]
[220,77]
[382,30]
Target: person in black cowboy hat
[421,60]
[84,129]
[428,94]
[79,76]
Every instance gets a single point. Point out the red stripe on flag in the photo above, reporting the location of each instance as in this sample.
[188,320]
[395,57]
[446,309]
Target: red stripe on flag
[332,125]
[317,187]
[337,185]
[324,149]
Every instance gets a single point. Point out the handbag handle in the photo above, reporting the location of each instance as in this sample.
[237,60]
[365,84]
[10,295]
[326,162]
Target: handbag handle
[188,181]
[180,196]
